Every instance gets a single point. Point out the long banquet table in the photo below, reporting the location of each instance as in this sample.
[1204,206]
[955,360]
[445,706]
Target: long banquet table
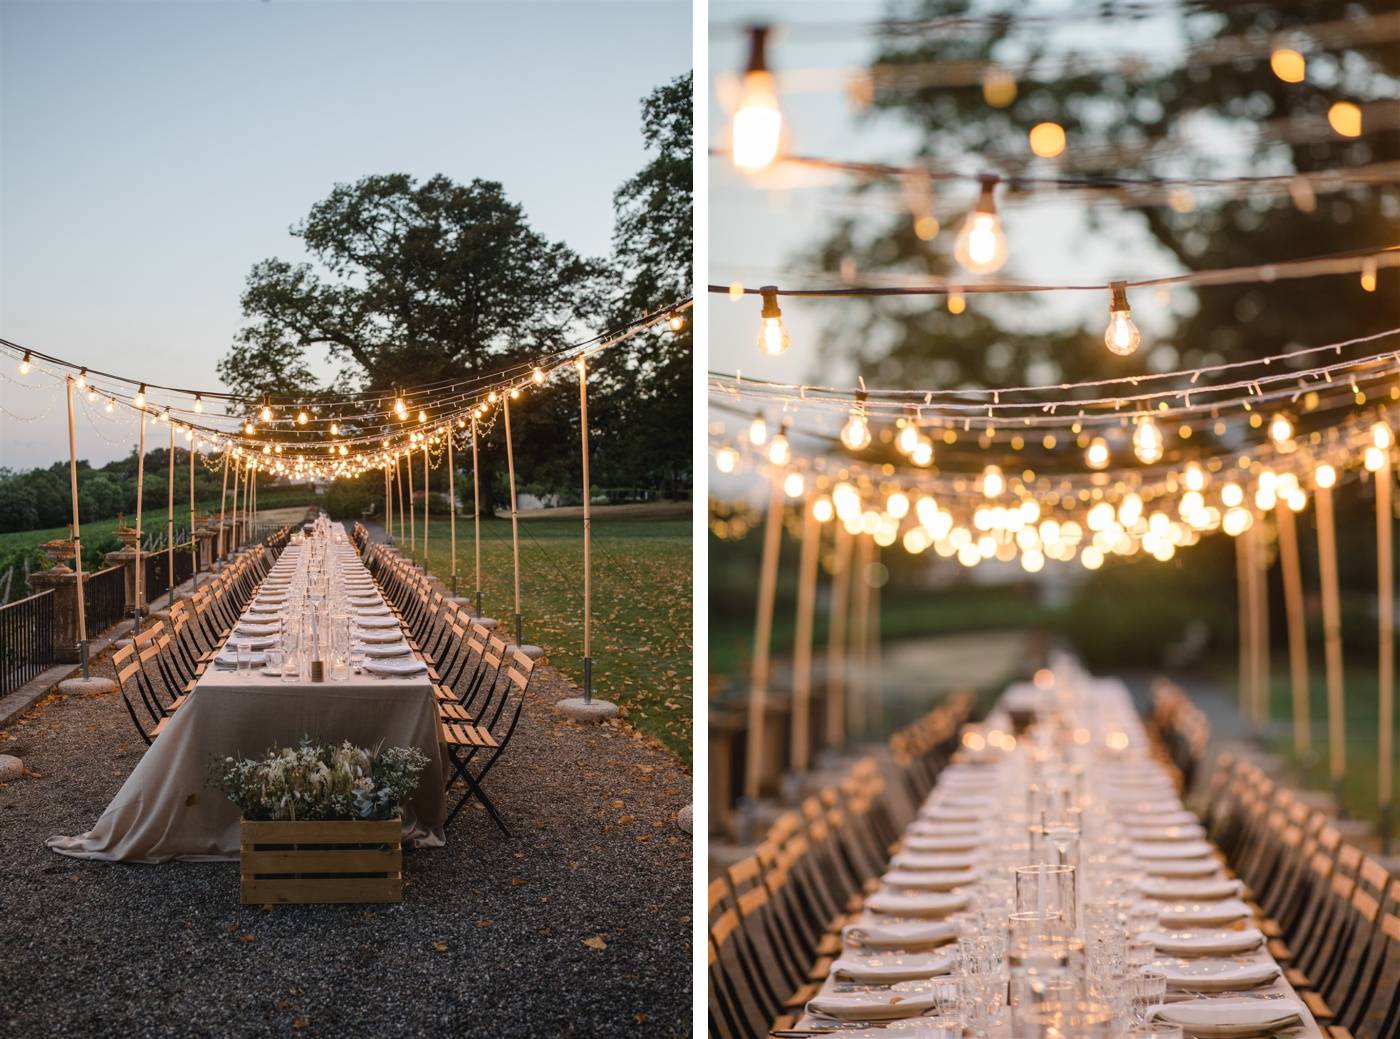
[166,809]
[1110,729]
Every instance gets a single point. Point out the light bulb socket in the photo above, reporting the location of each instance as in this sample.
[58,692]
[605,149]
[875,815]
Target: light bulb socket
[1118,302]
[758,49]
[770,301]
[987,197]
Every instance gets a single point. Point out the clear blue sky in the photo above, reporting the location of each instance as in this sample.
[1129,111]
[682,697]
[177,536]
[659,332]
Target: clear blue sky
[150,153]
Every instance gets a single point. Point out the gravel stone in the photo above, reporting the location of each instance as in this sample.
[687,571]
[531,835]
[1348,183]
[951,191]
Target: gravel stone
[11,768]
[488,941]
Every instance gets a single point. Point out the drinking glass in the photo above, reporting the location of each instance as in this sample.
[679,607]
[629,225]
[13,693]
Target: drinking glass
[273,662]
[244,651]
[1157,1030]
[1047,891]
[357,655]
[1141,951]
[1149,990]
[983,1001]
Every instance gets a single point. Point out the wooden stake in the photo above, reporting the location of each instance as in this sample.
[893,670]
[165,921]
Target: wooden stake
[412,513]
[237,517]
[427,496]
[1385,581]
[170,519]
[763,639]
[1297,632]
[77,530]
[388,513]
[587,535]
[452,505]
[802,644]
[140,491]
[398,485]
[860,637]
[476,518]
[194,557]
[1331,638]
[514,523]
[1245,603]
[223,500]
[1263,703]
[836,640]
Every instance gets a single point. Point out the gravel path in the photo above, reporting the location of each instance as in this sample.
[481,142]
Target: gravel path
[492,938]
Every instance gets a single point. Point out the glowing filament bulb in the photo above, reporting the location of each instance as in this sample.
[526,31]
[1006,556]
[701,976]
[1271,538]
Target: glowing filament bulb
[794,485]
[335,429]
[993,483]
[111,405]
[1096,456]
[922,454]
[855,434]
[82,379]
[423,415]
[302,418]
[1121,336]
[24,363]
[248,428]
[773,337]
[981,244]
[725,459]
[758,431]
[779,453]
[823,510]
[265,414]
[675,323]
[1325,476]
[1195,478]
[401,409]
[1382,437]
[1147,441]
[198,404]
[1231,495]
[140,399]
[538,376]
[755,132]
[1280,429]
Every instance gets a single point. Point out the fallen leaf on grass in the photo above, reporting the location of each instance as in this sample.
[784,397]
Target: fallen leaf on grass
[518,882]
[440,946]
[485,923]
[596,942]
[247,937]
[300,1022]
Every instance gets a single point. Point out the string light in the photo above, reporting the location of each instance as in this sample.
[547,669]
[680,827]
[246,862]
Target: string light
[1147,440]
[756,129]
[1121,336]
[1325,476]
[198,404]
[794,485]
[773,337]
[25,363]
[993,483]
[401,409]
[1047,140]
[855,434]
[140,399]
[1345,118]
[726,459]
[1288,65]
[758,431]
[1280,429]
[302,418]
[266,413]
[1097,454]
[538,377]
[1368,275]
[779,450]
[675,323]
[248,428]
[335,429]
[82,379]
[981,245]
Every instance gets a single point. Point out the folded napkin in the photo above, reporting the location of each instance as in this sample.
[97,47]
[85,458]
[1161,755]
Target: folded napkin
[1179,817]
[255,628]
[388,651]
[1218,942]
[930,879]
[917,839]
[1167,834]
[1218,975]
[943,813]
[396,666]
[1203,914]
[1172,850]
[1230,1018]
[254,642]
[373,611]
[1190,889]
[891,967]
[229,659]
[907,859]
[383,636]
[260,610]
[366,621]
[935,828]
[1181,867]
[880,1005]
[910,935]
[929,905]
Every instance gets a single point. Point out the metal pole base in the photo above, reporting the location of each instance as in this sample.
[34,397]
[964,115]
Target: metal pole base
[519,629]
[1386,827]
[1337,797]
[83,656]
[454,586]
[587,679]
[478,604]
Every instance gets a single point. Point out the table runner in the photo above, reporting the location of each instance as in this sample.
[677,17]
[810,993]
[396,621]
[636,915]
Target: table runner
[1105,716]
[166,809]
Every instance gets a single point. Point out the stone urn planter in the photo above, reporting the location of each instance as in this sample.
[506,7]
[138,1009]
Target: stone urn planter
[128,536]
[59,551]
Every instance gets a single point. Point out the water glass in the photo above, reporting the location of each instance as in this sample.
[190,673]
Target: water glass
[1149,990]
[1141,951]
[244,651]
[1157,1030]
[1047,891]
[273,662]
[357,656]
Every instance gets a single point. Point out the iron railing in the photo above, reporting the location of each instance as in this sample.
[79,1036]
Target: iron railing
[104,599]
[26,640]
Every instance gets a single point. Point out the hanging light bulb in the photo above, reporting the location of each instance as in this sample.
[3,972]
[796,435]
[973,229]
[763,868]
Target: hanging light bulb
[91,394]
[1325,476]
[794,485]
[676,321]
[302,418]
[981,244]
[855,434]
[1121,336]
[538,376]
[993,483]
[82,379]
[110,406]
[401,409]
[198,404]
[726,458]
[248,428]
[1147,441]
[266,413]
[1382,437]
[1231,495]
[140,399]
[772,335]
[1368,274]
[514,395]
[1096,456]
[922,454]
[823,510]
[758,431]
[423,415]
[908,438]
[1280,429]
[25,363]
[779,452]
[1194,477]
[755,133]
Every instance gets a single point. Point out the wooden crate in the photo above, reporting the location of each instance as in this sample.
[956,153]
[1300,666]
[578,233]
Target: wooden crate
[321,861]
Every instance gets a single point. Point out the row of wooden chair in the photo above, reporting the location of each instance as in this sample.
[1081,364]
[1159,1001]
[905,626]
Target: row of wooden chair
[1331,911]
[775,916]
[157,669]
[1180,728]
[480,683]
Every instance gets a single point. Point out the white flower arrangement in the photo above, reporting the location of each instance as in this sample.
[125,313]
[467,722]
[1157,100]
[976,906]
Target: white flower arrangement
[321,782]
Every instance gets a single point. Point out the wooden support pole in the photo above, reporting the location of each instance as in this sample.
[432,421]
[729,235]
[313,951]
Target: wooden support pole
[476,517]
[452,505]
[427,497]
[237,518]
[587,535]
[836,640]
[194,543]
[1331,641]
[857,706]
[398,486]
[412,513]
[77,529]
[875,684]
[1297,632]
[223,500]
[1385,587]
[763,639]
[514,523]
[388,511]
[1245,604]
[140,584]
[802,639]
[1263,703]
[170,518]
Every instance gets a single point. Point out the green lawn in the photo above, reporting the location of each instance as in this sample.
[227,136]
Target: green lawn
[642,616]
[1360,781]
